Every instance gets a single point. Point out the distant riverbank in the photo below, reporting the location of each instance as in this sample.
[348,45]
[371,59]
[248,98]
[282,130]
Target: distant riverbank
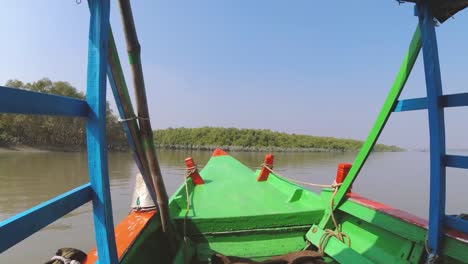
[21,149]
[32,149]
[233,139]
[256,149]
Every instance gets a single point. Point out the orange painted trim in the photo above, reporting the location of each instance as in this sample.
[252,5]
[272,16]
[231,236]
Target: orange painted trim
[219,152]
[126,233]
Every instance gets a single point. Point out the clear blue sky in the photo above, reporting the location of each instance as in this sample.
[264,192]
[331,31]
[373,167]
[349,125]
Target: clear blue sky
[311,67]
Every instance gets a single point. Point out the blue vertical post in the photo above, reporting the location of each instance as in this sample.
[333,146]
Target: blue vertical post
[96,131]
[436,128]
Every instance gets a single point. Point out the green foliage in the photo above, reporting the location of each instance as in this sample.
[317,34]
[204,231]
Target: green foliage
[254,139]
[51,131]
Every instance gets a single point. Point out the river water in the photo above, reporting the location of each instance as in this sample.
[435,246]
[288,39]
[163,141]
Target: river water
[399,179]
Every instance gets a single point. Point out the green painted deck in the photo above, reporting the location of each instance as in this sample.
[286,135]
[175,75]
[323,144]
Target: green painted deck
[232,199]
[233,214]
[231,190]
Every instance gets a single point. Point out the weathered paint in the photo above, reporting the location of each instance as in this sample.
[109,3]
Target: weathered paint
[126,233]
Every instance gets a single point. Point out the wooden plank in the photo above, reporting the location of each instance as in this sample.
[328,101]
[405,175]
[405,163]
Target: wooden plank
[456,223]
[456,161]
[450,100]
[19,101]
[125,108]
[411,104]
[96,131]
[15,229]
[436,127]
[454,100]
[146,132]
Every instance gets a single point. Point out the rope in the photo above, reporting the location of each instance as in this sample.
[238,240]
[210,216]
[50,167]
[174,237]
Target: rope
[65,260]
[188,173]
[328,232]
[133,118]
[296,181]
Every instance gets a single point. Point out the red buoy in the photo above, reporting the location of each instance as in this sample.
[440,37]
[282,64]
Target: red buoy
[342,172]
[193,171]
[267,163]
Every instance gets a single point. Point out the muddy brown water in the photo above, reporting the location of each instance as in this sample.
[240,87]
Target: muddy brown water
[400,179]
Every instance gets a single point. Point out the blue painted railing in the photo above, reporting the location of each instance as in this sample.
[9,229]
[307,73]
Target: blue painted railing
[20,226]
[435,102]
[17,101]
[450,100]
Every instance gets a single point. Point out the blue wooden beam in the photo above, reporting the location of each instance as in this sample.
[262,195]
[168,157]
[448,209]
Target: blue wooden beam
[456,161]
[96,131]
[20,226]
[455,100]
[411,104]
[457,223]
[450,100]
[19,101]
[436,128]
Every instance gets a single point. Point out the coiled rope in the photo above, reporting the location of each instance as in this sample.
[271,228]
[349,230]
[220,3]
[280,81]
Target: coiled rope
[329,233]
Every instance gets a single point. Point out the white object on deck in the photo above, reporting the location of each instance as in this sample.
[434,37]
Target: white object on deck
[141,199]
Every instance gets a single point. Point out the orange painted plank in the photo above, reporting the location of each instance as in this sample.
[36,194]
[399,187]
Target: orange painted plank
[125,233]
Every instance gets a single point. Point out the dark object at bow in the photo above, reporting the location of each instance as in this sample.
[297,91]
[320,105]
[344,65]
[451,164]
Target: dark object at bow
[68,254]
[443,9]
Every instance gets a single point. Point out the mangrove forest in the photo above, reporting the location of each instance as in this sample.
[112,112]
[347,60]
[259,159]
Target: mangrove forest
[69,133]
[53,132]
[208,138]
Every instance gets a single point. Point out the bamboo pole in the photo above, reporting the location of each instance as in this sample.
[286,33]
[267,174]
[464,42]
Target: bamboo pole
[134,49]
[124,104]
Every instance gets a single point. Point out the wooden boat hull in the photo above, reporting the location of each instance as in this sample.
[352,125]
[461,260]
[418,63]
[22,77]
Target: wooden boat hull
[234,214]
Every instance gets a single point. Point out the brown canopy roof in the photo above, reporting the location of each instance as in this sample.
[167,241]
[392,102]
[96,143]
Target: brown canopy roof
[443,9]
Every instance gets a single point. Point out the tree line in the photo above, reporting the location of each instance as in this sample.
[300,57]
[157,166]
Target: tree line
[254,140]
[54,132]
[69,133]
